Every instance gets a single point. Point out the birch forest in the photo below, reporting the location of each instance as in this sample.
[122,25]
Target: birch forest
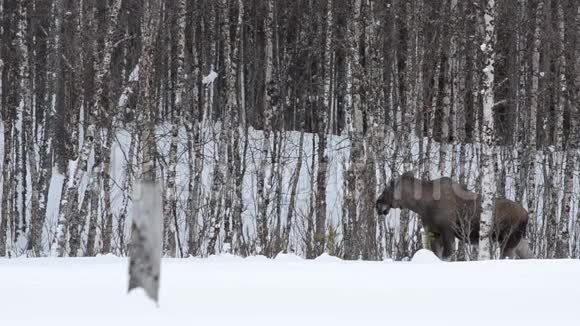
[272,126]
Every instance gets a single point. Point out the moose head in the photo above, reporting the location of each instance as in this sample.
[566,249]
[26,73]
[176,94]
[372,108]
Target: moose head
[391,195]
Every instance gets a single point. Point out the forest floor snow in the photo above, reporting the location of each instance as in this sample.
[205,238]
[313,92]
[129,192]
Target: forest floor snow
[288,290]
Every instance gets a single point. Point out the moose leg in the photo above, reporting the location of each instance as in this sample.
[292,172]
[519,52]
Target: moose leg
[513,240]
[523,250]
[448,240]
[508,253]
[437,245]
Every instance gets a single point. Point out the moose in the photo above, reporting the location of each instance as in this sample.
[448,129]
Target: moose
[448,210]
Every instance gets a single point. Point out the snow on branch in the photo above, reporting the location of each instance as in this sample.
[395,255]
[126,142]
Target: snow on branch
[211,77]
[134,76]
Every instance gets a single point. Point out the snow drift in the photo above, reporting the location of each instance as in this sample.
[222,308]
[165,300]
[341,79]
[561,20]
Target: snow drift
[288,290]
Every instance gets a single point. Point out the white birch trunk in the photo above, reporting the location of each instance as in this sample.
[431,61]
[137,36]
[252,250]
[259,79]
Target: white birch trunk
[446,116]
[264,190]
[354,127]
[27,111]
[488,137]
[432,109]
[7,191]
[238,118]
[92,195]
[562,89]
[195,164]
[563,249]
[231,112]
[574,131]
[320,226]
[147,223]
[170,201]
[293,189]
[532,123]
[521,103]
[106,212]
[69,201]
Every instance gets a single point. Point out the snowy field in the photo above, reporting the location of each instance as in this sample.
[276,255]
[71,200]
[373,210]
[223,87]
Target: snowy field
[288,290]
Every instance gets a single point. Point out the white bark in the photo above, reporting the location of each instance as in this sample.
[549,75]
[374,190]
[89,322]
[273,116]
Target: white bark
[231,113]
[238,119]
[195,164]
[448,81]
[128,188]
[147,238]
[170,202]
[69,201]
[27,111]
[147,222]
[562,89]
[354,127]
[107,213]
[488,137]
[263,190]
[431,122]
[220,191]
[7,191]
[521,108]
[322,168]
[532,123]
[563,234]
[576,125]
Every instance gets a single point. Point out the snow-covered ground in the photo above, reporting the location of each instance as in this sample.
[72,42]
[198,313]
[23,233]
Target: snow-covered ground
[288,290]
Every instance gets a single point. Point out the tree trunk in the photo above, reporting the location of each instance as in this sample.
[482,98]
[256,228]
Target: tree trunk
[269,109]
[563,248]
[230,114]
[320,225]
[238,120]
[521,104]
[69,202]
[28,139]
[147,225]
[7,195]
[170,202]
[293,188]
[355,133]
[92,196]
[531,127]
[488,136]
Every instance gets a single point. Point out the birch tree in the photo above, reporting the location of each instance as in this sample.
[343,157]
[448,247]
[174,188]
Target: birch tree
[354,127]
[562,249]
[25,107]
[69,201]
[320,231]
[532,125]
[488,135]
[42,38]
[269,109]
[238,162]
[170,201]
[195,125]
[521,94]
[147,225]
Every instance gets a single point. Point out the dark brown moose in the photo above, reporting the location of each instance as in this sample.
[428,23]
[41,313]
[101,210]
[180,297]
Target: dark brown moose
[448,210]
